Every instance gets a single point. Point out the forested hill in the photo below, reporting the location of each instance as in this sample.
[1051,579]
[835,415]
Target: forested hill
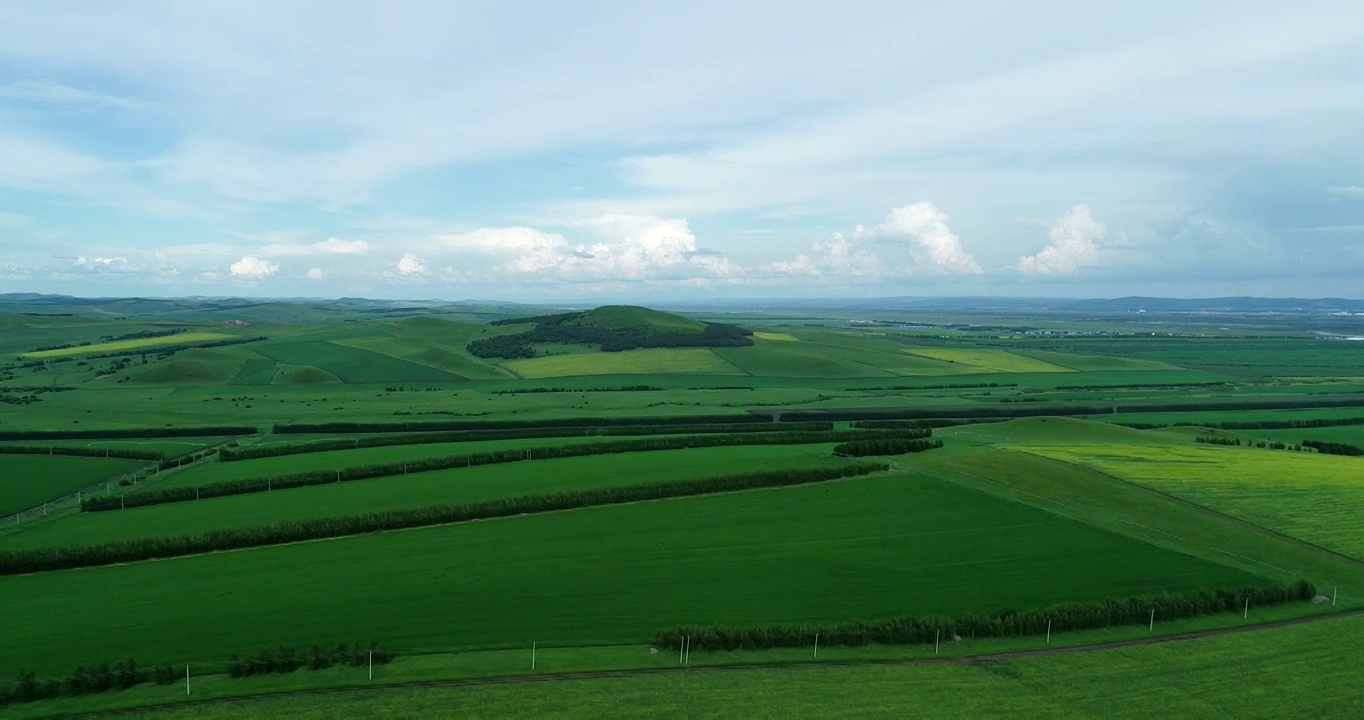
[612,328]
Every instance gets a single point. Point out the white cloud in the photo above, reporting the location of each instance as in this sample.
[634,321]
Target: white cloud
[253,268]
[104,264]
[1347,191]
[412,265]
[1075,238]
[330,245]
[317,274]
[46,91]
[499,241]
[800,265]
[630,247]
[926,225]
[14,271]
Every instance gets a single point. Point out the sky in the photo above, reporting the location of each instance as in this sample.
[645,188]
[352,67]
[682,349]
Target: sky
[534,151]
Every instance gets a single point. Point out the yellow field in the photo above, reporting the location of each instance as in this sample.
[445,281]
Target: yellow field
[1317,498]
[1001,361]
[180,339]
[782,337]
[650,361]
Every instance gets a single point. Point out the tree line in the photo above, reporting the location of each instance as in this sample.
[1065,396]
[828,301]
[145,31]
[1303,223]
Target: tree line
[103,677]
[364,472]
[914,424]
[371,427]
[907,630]
[888,446]
[1333,448]
[16,562]
[1049,409]
[1304,424]
[456,436]
[1236,442]
[122,453]
[560,329]
[115,434]
[538,390]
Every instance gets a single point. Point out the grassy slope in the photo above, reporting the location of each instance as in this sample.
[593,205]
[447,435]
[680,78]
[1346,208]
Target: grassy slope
[178,339]
[414,491]
[1286,672]
[29,480]
[1317,498]
[352,364]
[867,548]
[631,362]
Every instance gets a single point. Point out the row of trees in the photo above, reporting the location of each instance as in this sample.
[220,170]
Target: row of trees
[949,386]
[889,446]
[1332,448]
[47,559]
[912,424]
[1047,409]
[1304,424]
[286,659]
[381,440]
[164,432]
[1237,442]
[1006,623]
[359,427]
[539,390]
[126,454]
[92,679]
[364,472]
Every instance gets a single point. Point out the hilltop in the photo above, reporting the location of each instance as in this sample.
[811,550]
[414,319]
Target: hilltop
[612,328]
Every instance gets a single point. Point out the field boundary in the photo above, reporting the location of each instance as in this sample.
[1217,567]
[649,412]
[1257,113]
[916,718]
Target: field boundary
[812,665]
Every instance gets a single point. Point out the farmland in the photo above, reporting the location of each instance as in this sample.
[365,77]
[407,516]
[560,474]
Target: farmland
[121,345]
[1021,492]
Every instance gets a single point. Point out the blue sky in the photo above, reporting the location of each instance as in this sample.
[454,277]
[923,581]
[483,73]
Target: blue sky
[578,150]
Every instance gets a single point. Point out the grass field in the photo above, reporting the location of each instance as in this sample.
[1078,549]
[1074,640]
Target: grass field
[1287,672]
[631,362]
[989,360]
[30,480]
[1312,497]
[867,548]
[416,490]
[352,365]
[177,339]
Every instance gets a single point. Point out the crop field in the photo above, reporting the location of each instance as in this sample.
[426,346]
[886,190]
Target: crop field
[30,480]
[416,490]
[862,549]
[1036,495]
[1309,496]
[631,362]
[990,360]
[177,339]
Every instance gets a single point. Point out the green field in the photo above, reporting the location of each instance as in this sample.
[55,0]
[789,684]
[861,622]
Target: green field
[1020,512]
[413,491]
[631,362]
[1293,672]
[30,480]
[868,548]
[177,339]
[1312,497]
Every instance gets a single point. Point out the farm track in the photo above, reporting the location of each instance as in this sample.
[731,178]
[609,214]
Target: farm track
[811,666]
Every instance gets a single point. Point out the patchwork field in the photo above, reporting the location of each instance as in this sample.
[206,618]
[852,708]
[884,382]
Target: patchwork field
[177,339]
[29,480]
[867,548]
[989,360]
[1310,496]
[351,364]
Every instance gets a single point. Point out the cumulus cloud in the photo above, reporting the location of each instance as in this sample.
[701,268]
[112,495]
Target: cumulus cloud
[1075,239]
[317,274]
[515,240]
[412,265]
[330,245]
[103,264]
[630,247]
[252,268]
[926,226]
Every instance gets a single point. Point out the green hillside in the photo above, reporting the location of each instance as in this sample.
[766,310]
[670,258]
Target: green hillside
[611,328]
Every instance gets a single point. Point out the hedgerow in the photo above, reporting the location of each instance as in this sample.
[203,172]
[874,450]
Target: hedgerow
[165,432]
[1064,617]
[355,427]
[124,454]
[48,559]
[889,446]
[382,440]
[364,472]
[1049,409]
